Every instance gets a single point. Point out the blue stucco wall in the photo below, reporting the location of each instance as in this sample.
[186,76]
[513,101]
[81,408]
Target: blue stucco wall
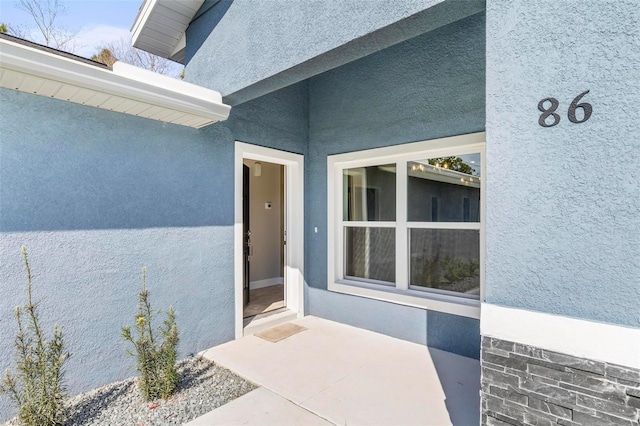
[247,48]
[451,333]
[96,195]
[428,87]
[563,229]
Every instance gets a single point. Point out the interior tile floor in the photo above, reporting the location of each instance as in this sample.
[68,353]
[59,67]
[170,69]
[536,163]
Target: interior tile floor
[265,299]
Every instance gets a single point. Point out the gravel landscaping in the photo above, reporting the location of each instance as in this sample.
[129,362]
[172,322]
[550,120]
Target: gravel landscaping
[203,386]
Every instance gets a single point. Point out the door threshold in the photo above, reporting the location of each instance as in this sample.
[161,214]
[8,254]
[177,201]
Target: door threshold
[267,320]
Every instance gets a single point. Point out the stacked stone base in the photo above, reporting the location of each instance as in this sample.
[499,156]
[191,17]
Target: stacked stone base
[525,385]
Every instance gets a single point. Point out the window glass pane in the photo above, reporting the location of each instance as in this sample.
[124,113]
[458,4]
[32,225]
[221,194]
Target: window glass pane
[445,259]
[445,189]
[370,253]
[369,193]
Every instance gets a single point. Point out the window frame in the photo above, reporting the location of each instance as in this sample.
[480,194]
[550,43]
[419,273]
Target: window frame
[401,155]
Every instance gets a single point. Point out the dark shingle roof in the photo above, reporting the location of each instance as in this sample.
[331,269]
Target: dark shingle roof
[54,51]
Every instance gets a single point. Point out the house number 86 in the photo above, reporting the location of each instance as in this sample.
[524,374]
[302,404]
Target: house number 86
[550,112]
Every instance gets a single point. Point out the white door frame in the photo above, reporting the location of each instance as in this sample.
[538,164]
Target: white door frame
[294,224]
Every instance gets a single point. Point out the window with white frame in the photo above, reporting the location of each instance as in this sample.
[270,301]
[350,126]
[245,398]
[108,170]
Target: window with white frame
[406,223]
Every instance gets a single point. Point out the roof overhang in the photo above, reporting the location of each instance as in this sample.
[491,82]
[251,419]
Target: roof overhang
[160,27]
[35,69]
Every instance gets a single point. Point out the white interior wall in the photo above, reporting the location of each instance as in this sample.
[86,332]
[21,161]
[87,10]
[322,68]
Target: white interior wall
[266,225]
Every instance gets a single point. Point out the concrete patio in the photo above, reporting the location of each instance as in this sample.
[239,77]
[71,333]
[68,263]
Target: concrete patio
[331,373]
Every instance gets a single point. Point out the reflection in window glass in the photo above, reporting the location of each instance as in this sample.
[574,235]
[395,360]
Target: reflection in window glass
[434,209]
[445,259]
[445,189]
[370,193]
[466,210]
[371,253]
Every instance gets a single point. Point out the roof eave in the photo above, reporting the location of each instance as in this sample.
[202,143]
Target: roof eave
[125,88]
[161,25]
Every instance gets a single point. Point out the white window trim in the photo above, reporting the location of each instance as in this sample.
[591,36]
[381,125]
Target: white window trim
[400,154]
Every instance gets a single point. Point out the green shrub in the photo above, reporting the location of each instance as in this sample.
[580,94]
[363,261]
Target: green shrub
[458,270]
[37,387]
[156,361]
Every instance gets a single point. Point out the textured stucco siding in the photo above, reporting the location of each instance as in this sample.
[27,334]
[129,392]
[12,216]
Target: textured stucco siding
[428,87]
[96,195]
[451,333]
[563,229]
[247,48]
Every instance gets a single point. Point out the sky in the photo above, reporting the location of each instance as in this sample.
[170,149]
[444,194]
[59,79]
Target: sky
[98,22]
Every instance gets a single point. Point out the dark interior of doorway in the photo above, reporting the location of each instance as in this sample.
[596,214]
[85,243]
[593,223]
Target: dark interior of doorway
[263,233]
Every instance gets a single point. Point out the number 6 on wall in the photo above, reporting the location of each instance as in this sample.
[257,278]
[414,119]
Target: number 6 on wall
[586,107]
[551,111]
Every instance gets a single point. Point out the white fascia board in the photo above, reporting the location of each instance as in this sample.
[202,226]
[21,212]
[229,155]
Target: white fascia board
[593,340]
[124,81]
[142,19]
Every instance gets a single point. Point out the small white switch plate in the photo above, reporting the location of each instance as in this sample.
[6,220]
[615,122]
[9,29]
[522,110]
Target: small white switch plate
[267,205]
[316,229]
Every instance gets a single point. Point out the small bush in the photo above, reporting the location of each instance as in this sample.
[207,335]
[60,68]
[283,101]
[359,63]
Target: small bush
[156,361]
[37,387]
[458,270]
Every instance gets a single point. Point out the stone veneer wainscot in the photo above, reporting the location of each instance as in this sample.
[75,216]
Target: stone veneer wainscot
[526,385]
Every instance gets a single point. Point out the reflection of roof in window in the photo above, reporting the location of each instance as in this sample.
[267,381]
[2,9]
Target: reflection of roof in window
[424,170]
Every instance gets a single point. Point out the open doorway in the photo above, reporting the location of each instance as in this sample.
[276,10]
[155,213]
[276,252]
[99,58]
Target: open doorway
[264,234]
[284,258]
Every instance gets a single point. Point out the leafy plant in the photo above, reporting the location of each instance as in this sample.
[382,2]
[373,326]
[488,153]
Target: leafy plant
[38,386]
[156,361]
[456,164]
[457,269]
[452,269]
[105,57]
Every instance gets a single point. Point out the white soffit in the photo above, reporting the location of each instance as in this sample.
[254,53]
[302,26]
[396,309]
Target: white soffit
[160,26]
[35,69]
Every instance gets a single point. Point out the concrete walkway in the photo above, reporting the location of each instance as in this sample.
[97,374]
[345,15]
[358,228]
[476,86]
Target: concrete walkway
[332,373]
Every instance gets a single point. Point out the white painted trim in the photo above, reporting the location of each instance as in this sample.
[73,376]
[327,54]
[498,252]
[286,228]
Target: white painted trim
[445,225]
[372,224]
[151,33]
[467,144]
[266,282]
[402,239]
[455,305]
[294,224]
[581,338]
[146,8]
[400,154]
[125,88]
[483,218]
